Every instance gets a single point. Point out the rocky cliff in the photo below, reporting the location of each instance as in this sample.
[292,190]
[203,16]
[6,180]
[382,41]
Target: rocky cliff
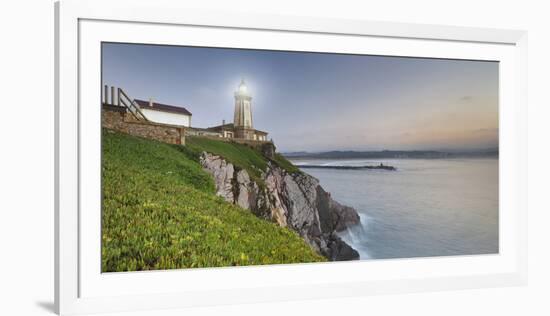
[292,200]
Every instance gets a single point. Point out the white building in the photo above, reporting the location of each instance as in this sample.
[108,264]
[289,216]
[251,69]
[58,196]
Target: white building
[165,114]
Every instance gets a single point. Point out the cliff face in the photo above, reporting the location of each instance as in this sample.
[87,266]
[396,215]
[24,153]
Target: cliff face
[294,200]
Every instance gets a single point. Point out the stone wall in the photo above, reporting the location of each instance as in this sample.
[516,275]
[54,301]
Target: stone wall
[118,119]
[202,132]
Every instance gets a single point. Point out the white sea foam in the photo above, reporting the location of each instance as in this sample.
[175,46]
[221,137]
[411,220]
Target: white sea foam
[357,237]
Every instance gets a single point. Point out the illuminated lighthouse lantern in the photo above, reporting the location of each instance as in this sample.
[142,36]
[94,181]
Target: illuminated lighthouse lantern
[242,120]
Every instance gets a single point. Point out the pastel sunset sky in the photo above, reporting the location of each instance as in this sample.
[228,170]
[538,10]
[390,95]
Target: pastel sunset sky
[320,101]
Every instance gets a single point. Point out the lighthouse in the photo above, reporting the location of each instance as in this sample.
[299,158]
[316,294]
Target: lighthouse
[242,119]
[242,128]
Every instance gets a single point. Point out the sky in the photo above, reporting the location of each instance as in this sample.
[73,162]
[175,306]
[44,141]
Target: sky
[320,101]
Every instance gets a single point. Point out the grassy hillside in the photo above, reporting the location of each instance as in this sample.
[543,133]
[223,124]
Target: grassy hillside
[160,211]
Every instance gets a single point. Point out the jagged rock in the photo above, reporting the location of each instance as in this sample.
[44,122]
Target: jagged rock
[295,200]
[278,212]
[222,171]
[340,251]
[342,216]
[243,181]
[299,194]
[268,150]
[247,191]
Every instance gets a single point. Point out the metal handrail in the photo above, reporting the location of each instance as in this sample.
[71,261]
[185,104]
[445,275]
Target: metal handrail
[131,105]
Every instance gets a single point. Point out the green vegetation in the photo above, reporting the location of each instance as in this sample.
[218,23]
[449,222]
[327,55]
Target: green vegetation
[240,155]
[282,162]
[160,211]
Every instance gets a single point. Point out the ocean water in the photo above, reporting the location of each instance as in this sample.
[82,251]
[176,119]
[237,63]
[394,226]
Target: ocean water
[428,207]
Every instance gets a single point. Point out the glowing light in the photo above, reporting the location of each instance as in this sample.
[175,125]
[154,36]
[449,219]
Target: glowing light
[242,87]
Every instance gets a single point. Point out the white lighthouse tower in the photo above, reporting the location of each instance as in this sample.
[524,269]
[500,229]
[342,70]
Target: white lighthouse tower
[242,120]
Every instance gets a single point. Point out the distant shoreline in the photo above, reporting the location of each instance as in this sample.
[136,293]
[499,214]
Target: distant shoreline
[394,154]
[376,167]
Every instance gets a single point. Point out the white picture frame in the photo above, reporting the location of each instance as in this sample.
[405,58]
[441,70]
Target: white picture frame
[80,287]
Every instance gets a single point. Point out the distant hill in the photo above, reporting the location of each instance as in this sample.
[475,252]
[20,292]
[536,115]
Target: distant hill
[386,154]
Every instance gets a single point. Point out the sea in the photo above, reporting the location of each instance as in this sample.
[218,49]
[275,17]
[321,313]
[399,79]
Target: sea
[427,207]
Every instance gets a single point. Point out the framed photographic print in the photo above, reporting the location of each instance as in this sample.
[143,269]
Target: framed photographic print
[211,157]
